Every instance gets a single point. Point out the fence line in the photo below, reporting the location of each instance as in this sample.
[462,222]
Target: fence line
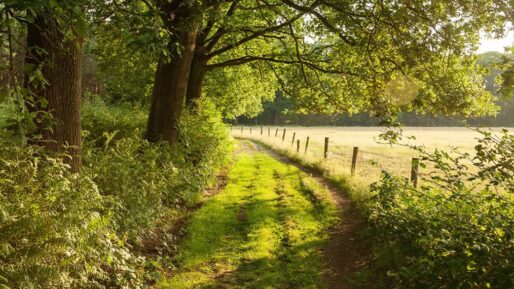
[355,155]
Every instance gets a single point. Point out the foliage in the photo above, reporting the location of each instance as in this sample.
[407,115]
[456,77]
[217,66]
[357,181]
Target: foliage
[118,121]
[345,55]
[401,91]
[452,232]
[59,229]
[205,143]
[240,90]
[54,227]
[143,177]
[14,115]
[136,177]
[125,69]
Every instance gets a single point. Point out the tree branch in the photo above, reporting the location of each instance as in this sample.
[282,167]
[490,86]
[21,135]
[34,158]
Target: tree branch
[321,18]
[248,58]
[261,32]
[221,31]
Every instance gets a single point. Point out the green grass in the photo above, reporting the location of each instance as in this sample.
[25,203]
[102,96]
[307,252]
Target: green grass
[355,188]
[264,230]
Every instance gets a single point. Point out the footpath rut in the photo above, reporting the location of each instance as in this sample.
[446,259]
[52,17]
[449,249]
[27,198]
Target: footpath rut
[274,225]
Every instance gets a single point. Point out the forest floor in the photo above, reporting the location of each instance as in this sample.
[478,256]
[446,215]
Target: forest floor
[273,225]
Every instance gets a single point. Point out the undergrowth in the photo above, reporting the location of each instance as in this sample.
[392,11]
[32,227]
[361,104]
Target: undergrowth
[59,229]
[455,231]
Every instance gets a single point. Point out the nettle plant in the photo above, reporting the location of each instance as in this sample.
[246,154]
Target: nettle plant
[457,229]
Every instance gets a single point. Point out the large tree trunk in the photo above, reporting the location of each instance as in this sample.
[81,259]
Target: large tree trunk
[60,62]
[171,78]
[196,78]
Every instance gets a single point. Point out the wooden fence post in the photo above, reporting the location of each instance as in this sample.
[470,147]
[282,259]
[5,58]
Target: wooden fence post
[414,173]
[354,159]
[261,129]
[268,131]
[325,153]
[306,145]
[298,146]
[284,135]
[241,129]
[276,132]
[294,136]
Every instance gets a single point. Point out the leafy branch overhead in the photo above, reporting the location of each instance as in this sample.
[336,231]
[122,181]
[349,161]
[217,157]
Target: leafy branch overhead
[342,56]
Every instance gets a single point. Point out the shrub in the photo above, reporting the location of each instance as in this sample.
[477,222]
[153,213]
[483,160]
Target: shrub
[205,141]
[54,230]
[142,178]
[452,232]
[136,177]
[59,229]
[99,118]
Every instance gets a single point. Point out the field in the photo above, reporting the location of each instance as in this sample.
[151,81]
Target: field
[373,156]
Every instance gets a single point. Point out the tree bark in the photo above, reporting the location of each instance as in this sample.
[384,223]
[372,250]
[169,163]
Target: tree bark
[59,60]
[196,78]
[172,76]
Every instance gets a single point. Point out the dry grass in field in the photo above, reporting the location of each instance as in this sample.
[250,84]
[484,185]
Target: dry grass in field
[373,156]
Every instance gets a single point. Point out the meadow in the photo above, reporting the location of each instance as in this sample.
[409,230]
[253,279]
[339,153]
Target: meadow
[374,155]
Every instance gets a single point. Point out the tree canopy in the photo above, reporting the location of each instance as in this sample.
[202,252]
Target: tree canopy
[335,56]
[325,56]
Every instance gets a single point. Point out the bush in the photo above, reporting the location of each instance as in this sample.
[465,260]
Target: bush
[99,118]
[54,230]
[453,232]
[206,144]
[59,229]
[135,176]
[142,178]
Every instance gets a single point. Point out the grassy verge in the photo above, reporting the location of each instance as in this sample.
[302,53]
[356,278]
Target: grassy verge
[264,230]
[355,188]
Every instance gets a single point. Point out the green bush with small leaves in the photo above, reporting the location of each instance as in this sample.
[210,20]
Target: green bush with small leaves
[99,118]
[55,230]
[457,230]
[142,178]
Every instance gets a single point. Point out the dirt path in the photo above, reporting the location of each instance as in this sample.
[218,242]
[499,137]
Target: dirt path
[269,228]
[346,255]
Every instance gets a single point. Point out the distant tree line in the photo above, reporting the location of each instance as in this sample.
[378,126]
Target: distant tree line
[281,111]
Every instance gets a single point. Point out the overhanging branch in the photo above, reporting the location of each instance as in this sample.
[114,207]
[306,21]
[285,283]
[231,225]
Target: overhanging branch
[262,32]
[248,58]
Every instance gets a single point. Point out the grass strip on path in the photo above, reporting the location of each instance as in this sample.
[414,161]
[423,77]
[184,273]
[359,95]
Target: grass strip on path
[264,230]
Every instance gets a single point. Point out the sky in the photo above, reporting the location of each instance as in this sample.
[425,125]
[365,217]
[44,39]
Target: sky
[496,44]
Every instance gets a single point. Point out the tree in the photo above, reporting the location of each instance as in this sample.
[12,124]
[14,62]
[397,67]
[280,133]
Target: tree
[332,56]
[239,32]
[53,72]
[204,52]
[179,20]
